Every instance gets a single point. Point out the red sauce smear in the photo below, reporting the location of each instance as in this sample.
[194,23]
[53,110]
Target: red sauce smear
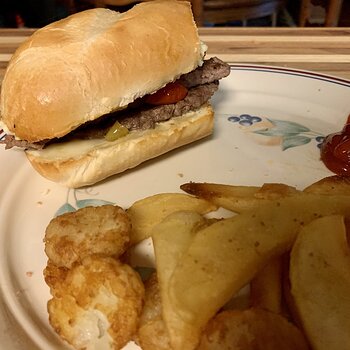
[335,151]
[170,93]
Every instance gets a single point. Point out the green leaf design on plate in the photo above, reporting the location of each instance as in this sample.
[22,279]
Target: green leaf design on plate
[287,127]
[294,141]
[91,203]
[65,208]
[270,132]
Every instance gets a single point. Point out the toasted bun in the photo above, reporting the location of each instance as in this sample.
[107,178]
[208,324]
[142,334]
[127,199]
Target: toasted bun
[94,62]
[85,162]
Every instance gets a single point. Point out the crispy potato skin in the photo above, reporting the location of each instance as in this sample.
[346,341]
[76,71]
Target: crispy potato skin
[252,329]
[238,198]
[73,236]
[331,185]
[99,297]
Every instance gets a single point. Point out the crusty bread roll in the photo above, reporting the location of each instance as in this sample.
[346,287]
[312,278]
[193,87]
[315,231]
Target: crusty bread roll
[90,64]
[94,62]
[85,162]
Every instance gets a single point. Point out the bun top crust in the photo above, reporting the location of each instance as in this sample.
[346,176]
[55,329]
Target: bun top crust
[95,62]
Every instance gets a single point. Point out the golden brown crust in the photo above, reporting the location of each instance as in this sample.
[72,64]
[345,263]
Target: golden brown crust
[98,303]
[93,62]
[109,158]
[54,275]
[251,329]
[103,230]
[152,333]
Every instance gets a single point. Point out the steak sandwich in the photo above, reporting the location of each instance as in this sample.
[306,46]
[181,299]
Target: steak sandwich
[100,92]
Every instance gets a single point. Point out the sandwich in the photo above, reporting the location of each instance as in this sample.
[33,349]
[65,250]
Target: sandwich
[100,92]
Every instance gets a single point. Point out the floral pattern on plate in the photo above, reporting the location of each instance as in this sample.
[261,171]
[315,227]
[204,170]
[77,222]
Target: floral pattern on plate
[287,134]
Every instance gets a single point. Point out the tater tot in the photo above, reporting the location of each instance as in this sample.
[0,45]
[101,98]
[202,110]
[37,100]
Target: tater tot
[92,230]
[54,275]
[251,329]
[98,304]
[152,333]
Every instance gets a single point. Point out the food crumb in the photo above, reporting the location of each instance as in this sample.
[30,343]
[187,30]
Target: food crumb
[180,174]
[39,203]
[29,273]
[46,192]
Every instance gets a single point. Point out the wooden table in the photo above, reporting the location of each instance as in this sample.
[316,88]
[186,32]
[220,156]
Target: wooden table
[324,50]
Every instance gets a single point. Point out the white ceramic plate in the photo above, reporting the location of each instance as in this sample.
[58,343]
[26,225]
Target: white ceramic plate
[269,122]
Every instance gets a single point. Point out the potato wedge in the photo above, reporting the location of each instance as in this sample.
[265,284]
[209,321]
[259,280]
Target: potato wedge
[331,185]
[148,212]
[171,239]
[266,287]
[251,329]
[225,256]
[238,198]
[288,307]
[320,283]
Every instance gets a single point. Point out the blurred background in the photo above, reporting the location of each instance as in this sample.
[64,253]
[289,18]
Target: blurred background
[208,13]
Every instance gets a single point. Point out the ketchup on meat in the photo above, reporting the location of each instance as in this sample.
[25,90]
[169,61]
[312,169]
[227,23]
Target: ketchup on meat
[335,151]
[170,93]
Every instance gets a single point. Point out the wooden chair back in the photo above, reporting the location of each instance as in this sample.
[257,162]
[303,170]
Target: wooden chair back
[221,11]
[332,13]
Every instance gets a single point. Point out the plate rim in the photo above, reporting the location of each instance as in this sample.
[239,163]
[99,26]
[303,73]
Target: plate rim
[291,71]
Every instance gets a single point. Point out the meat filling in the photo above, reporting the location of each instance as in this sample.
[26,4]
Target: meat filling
[201,83]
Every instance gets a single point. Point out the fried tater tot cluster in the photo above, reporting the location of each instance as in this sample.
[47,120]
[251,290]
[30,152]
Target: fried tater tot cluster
[96,299]
[92,230]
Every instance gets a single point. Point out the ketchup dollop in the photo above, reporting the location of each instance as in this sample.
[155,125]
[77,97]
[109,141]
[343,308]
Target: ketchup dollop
[335,151]
[170,93]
